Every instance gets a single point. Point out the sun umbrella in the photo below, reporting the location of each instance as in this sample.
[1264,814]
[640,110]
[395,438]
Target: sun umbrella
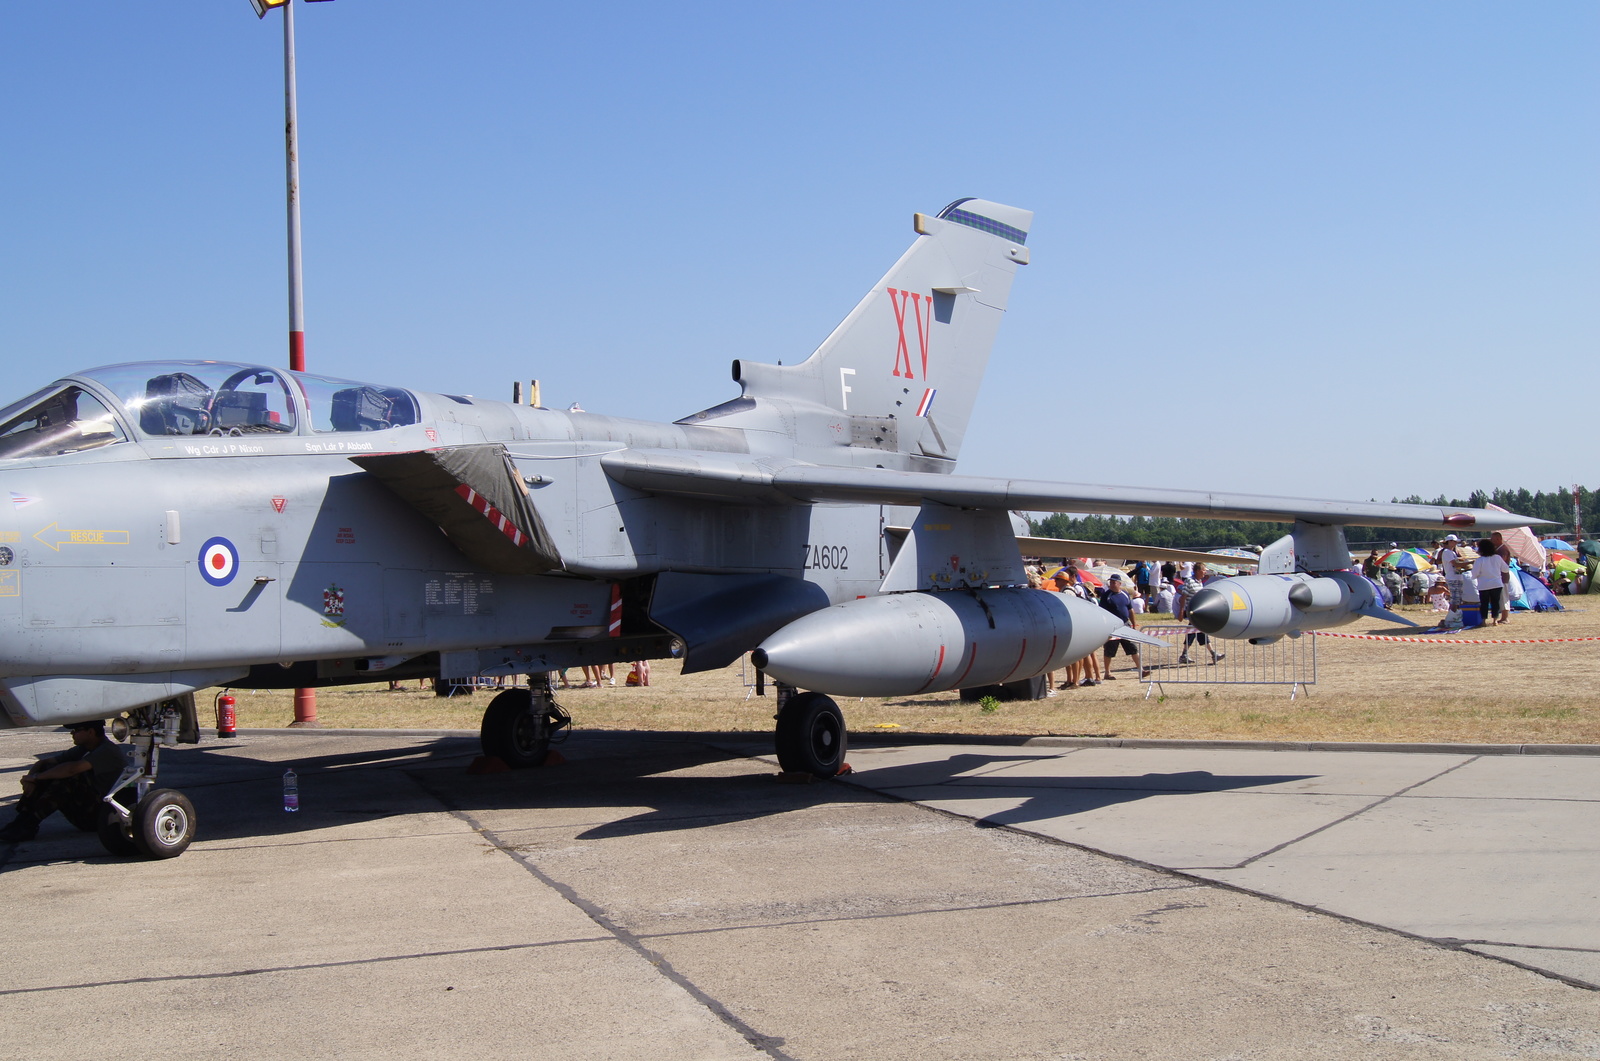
[1105,571]
[1406,560]
[1522,543]
[1557,545]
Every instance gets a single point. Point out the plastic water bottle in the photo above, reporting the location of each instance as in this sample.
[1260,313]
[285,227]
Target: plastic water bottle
[291,791]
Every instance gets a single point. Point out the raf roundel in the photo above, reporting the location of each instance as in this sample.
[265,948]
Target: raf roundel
[219,561]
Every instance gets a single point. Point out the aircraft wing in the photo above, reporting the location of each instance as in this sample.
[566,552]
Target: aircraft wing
[743,477]
[1119,550]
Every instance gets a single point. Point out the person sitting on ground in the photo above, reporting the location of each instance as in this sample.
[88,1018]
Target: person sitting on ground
[1165,598]
[1395,583]
[1439,595]
[74,783]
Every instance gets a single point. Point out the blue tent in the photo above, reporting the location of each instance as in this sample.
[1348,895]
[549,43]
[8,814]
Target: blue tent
[1536,596]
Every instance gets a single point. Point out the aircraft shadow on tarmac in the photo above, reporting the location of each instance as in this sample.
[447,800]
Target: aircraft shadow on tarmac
[972,776]
[238,795]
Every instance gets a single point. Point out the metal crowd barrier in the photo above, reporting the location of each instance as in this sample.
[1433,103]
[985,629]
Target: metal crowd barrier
[1291,661]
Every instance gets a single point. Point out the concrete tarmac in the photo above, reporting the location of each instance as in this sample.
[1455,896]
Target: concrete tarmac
[662,896]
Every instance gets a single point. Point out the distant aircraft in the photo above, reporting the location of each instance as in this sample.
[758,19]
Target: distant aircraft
[182,525]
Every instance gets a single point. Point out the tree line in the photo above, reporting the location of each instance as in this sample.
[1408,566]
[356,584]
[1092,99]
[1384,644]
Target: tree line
[1173,533]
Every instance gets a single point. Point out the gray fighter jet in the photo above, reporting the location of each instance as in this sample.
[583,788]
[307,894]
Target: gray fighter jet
[190,524]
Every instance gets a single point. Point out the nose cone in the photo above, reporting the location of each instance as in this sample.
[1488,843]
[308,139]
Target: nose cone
[1208,611]
[880,646]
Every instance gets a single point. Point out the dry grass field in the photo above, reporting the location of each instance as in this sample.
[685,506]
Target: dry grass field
[1391,691]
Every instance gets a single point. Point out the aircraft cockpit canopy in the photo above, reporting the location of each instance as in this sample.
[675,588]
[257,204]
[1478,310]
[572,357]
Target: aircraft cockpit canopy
[201,397]
[62,418]
[226,398]
[345,405]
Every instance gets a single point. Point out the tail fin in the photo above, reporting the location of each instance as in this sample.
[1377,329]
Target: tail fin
[900,374]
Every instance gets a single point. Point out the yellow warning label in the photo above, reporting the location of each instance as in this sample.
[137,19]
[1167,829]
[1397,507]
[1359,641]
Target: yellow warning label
[1238,602]
[55,537]
[10,584]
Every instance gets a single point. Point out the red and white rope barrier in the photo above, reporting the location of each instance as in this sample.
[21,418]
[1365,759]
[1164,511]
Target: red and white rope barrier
[1457,640]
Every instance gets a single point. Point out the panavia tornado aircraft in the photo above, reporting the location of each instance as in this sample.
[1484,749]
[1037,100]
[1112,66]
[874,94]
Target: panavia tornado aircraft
[181,525]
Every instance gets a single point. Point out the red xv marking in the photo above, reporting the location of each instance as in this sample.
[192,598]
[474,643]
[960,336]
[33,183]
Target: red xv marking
[899,307]
[924,327]
[922,311]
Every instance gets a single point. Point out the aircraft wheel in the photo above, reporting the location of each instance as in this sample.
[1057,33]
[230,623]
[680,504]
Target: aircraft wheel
[163,823]
[811,736]
[512,732]
[115,836]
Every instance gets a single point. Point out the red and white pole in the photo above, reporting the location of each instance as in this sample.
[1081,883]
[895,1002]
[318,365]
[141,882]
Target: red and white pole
[291,122]
[305,700]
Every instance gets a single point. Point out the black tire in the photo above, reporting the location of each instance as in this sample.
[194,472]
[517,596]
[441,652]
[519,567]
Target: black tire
[811,736]
[511,731]
[116,837]
[163,823]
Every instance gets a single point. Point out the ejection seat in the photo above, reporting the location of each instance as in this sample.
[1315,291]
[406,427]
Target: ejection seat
[361,409]
[175,404]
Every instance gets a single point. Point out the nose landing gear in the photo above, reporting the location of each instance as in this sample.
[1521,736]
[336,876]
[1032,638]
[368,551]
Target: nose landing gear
[139,819]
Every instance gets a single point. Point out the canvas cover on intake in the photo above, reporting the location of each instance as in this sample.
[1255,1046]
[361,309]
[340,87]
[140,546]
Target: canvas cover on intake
[477,497]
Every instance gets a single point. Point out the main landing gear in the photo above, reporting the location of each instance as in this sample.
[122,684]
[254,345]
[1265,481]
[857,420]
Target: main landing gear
[811,736]
[139,819]
[520,724]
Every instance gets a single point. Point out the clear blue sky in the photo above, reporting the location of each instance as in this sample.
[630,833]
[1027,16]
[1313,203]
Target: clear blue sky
[1338,249]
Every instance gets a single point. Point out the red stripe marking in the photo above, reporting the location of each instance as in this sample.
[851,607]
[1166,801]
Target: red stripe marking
[970,662]
[616,610]
[501,522]
[937,667]
[1018,663]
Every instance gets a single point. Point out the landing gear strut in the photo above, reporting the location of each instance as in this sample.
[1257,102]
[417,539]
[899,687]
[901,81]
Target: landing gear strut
[520,724]
[811,735]
[139,819]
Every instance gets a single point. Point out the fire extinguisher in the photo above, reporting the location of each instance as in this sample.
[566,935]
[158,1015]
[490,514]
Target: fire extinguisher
[227,719]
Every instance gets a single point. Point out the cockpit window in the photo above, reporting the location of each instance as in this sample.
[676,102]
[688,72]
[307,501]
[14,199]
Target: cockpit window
[202,397]
[344,405]
[54,421]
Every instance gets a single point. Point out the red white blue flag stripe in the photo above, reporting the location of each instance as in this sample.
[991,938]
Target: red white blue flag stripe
[927,401]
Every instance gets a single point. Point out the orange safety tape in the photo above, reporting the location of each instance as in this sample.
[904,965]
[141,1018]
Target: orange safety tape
[1457,640]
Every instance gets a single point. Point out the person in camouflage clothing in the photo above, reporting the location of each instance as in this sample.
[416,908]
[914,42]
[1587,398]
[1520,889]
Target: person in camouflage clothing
[74,783]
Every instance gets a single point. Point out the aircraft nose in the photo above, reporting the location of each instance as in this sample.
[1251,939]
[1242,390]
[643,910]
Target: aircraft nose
[1208,612]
